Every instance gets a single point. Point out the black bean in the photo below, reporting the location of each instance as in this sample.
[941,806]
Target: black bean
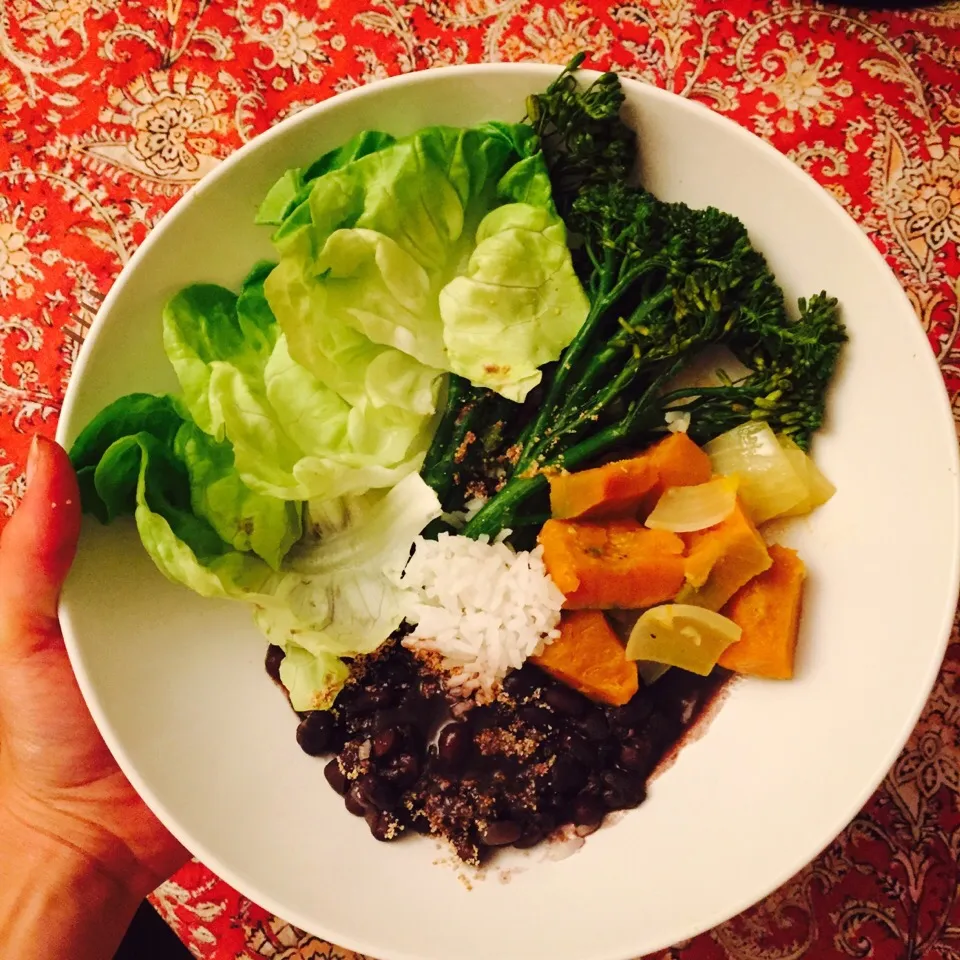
[520,683]
[633,713]
[659,731]
[375,698]
[566,701]
[535,716]
[383,826]
[454,745]
[500,833]
[375,791]
[568,775]
[622,791]
[579,748]
[588,811]
[274,658]
[386,742]
[314,732]
[355,802]
[531,836]
[420,824]
[335,776]
[402,771]
[635,755]
[595,725]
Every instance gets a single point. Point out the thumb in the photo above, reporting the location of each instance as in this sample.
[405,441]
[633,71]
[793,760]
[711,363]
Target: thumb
[36,550]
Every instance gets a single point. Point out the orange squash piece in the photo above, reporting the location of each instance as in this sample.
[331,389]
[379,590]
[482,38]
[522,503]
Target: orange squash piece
[625,488]
[679,463]
[767,610]
[589,657]
[721,559]
[618,564]
[614,490]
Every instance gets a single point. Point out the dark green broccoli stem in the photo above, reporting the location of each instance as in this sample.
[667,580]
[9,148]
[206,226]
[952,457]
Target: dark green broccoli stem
[558,393]
[619,346]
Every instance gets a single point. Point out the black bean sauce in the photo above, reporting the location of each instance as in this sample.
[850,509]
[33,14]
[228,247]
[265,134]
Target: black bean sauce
[509,773]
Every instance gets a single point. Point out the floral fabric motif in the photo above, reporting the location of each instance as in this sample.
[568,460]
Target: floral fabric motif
[111,109]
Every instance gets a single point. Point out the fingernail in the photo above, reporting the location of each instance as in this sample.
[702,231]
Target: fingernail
[32,457]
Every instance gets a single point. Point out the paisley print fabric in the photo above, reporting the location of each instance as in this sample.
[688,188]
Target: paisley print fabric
[111,109]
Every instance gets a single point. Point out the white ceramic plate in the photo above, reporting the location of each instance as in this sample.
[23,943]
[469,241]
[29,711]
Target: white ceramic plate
[177,686]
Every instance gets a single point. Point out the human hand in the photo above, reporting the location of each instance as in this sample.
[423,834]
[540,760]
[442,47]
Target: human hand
[63,798]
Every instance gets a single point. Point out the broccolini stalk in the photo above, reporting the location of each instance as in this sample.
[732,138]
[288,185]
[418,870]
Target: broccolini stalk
[583,139]
[669,280]
[791,367]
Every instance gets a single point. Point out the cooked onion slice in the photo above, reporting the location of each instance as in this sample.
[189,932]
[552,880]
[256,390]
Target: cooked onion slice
[685,509]
[769,483]
[819,488]
[680,635]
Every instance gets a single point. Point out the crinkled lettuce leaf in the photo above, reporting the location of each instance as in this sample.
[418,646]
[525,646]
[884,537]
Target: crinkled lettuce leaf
[313,680]
[140,456]
[247,520]
[293,188]
[293,436]
[205,325]
[445,247]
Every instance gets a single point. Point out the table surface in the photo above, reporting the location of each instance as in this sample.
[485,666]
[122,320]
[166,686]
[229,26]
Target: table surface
[111,109]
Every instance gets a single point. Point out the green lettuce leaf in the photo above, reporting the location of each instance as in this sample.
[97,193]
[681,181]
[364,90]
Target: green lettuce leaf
[293,436]
[247,520]
[205,325]
[313,680]
[293,188]
[444,247]
[140,456]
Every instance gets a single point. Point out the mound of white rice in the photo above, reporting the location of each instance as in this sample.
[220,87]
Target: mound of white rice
[480,610]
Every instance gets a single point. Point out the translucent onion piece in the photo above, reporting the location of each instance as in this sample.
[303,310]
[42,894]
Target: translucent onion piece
[769,484]
[819,488]
[685,509]
[680,635]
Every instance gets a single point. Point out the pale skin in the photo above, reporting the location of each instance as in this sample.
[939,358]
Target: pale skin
[80,849]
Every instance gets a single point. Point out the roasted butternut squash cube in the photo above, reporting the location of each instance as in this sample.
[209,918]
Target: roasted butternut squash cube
[767,610]
[614,490]
[618,564]
[679,463]
[589,657]
[721,559]
[626,488]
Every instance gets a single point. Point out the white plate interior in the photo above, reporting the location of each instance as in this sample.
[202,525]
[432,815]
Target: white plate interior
[177,686]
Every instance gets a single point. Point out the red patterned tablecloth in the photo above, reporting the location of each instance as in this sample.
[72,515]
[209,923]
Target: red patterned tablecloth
[111,109]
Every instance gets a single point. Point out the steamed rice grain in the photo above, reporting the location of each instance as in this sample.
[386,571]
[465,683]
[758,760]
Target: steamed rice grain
[481,607]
